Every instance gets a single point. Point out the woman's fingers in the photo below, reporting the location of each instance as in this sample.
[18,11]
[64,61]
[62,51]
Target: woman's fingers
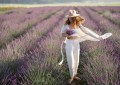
[72,37]
[101,38]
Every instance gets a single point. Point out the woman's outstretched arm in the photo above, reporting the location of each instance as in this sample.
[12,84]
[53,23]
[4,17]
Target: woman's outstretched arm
[90,32]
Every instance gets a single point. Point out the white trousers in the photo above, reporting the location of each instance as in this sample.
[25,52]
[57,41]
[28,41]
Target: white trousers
[72,52]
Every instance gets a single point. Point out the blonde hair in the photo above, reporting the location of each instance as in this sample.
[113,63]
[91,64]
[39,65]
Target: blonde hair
[78,19]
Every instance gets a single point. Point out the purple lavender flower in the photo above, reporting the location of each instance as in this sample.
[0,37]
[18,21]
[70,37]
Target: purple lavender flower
[70,32]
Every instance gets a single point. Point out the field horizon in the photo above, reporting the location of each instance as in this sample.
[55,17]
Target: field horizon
[63,4]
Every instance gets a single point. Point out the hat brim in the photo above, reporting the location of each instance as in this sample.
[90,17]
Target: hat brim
[73,15]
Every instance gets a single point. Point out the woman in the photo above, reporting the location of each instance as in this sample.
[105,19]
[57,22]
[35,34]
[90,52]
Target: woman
[75,32]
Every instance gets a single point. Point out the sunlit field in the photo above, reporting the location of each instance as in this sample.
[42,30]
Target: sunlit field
[30,43]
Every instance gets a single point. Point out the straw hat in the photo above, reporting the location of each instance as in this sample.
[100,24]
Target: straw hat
[72,13]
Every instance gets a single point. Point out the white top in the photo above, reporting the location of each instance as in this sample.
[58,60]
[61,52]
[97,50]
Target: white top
[85,33]
[76,30]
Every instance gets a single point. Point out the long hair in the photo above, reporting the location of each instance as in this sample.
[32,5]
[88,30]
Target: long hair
[77,19]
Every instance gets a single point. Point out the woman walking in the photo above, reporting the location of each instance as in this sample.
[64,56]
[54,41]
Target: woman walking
[75,32]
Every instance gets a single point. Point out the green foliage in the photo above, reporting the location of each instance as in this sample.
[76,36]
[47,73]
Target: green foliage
[37,77]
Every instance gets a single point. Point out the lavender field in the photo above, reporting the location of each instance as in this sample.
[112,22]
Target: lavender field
[30,43]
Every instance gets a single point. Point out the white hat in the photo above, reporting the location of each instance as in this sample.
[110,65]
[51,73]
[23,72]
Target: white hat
[72,13]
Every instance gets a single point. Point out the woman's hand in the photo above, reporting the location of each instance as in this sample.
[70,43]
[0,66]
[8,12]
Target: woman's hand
[65,35]
[68,36]
[71,37]
[100,38]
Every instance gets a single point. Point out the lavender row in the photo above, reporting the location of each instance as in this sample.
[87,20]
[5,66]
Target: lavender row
[114,41]
[97,55]
[113,17]
[112,9]
[111,45]
[39,58]
[11,32]
[45,57]
[17,48]
[18,16]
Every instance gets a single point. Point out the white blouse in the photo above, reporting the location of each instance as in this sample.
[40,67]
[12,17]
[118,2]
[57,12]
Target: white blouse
[83,33]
